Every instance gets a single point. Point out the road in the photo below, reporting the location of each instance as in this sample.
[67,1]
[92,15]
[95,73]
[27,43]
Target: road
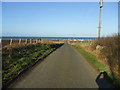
[64,68]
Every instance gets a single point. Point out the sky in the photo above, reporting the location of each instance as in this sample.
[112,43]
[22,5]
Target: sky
[119,18]
[0,19]
[59,0]
[58,19]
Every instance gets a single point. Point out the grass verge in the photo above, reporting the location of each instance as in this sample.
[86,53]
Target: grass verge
[91,59]
[20,59]
[95,63]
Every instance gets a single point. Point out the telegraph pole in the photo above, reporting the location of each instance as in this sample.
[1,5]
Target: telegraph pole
[100,14]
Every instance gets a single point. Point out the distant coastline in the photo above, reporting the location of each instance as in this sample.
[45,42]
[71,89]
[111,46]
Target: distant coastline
[14,37]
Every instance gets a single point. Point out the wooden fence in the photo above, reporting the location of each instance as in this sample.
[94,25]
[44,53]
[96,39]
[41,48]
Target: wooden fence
[19,41]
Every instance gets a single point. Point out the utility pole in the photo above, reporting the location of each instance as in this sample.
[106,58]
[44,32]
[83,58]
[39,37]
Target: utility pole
[100,14]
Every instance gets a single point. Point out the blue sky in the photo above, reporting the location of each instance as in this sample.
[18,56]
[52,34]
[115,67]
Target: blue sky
[58,19]
[119,17]
[0,19]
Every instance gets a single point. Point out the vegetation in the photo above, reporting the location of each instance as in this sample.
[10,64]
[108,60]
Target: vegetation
[16,60]
[109,50]
[91,58]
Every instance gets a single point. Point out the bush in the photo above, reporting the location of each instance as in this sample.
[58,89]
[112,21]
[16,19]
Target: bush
[111,52]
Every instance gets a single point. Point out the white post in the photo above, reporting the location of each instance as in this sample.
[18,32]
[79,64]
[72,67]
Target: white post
[11,41]
[19,41]
[0,40]
[30,41]
[26,41]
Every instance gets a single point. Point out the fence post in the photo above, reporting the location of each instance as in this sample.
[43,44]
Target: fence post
[39,40]
[11,41]
[19,41]
[36,40]
[26,41]
[0,40]
[33,40]
[30,41]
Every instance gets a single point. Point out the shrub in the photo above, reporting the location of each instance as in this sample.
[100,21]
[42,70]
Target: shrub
[111,52]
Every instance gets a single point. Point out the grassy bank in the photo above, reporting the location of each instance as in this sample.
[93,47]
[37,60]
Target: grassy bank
[100,67]
[91,59]
[16,60]
[110,51]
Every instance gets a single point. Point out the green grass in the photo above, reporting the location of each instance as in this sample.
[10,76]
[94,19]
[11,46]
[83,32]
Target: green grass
[97,65]
[91,59]
[16,60]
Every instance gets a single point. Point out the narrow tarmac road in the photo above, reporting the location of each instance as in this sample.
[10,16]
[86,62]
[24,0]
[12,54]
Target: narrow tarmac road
[64,68]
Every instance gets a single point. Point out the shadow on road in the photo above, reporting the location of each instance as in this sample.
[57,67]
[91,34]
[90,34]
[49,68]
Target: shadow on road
[102,82]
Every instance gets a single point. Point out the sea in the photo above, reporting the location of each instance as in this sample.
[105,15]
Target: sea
[12,37]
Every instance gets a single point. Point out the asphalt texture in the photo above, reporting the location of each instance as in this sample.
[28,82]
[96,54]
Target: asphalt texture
[64,68]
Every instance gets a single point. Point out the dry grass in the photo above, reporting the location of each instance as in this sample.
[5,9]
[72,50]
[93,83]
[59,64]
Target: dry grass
[15,42]
[110,54]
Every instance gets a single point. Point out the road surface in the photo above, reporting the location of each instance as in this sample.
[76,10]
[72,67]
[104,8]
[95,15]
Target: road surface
[64,68]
